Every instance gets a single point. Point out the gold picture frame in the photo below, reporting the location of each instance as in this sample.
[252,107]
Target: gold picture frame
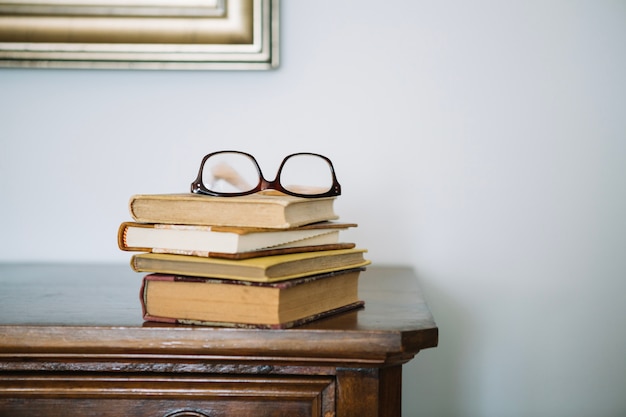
[140,34]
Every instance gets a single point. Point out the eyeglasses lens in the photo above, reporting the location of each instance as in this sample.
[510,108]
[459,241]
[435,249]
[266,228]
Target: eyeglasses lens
[306,174]
[230,172]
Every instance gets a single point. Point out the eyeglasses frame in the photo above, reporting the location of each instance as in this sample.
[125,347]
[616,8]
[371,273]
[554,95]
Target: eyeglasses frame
[198,187]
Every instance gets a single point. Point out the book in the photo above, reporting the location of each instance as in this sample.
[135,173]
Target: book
[203,240]
[254,210]
[281,251]
[208,301]
[261,269]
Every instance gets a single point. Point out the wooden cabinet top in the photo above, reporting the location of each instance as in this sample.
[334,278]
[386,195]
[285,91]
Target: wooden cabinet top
[94,310]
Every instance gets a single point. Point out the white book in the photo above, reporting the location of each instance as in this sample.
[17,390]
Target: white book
[201,240]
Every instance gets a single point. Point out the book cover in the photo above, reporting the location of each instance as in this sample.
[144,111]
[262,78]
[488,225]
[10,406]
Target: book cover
[201,240]
[260,269]
[235,303]
[280,251]
[255,210]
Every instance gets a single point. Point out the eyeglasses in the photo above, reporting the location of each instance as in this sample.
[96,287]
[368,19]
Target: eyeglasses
[234,173]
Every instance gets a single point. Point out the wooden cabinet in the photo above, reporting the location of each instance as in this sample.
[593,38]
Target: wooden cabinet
[72,342]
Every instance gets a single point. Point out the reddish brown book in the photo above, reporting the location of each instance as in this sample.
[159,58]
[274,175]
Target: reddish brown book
[218,302]
[281,251]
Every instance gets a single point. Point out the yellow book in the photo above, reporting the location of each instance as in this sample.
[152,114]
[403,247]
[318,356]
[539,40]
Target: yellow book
[261,269]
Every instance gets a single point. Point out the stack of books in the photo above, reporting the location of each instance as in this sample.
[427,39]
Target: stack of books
[262,261]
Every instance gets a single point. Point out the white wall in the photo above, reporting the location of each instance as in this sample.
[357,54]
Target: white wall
[481,142]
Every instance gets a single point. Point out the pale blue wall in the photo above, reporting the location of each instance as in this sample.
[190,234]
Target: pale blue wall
[483,143]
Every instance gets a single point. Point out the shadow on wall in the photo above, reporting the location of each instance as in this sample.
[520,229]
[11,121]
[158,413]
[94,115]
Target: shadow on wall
[432,380]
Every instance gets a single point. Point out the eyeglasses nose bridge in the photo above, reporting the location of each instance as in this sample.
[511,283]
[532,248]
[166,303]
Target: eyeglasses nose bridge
[267,185]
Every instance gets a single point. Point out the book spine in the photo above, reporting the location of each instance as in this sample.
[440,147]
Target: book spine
[121,237]
[143,294]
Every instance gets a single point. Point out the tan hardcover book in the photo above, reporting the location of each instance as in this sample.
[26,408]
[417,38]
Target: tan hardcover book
[261,269]
[203,240]
[255,210]
[207,301]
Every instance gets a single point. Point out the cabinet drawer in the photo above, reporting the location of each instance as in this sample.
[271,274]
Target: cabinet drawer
[165,395]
